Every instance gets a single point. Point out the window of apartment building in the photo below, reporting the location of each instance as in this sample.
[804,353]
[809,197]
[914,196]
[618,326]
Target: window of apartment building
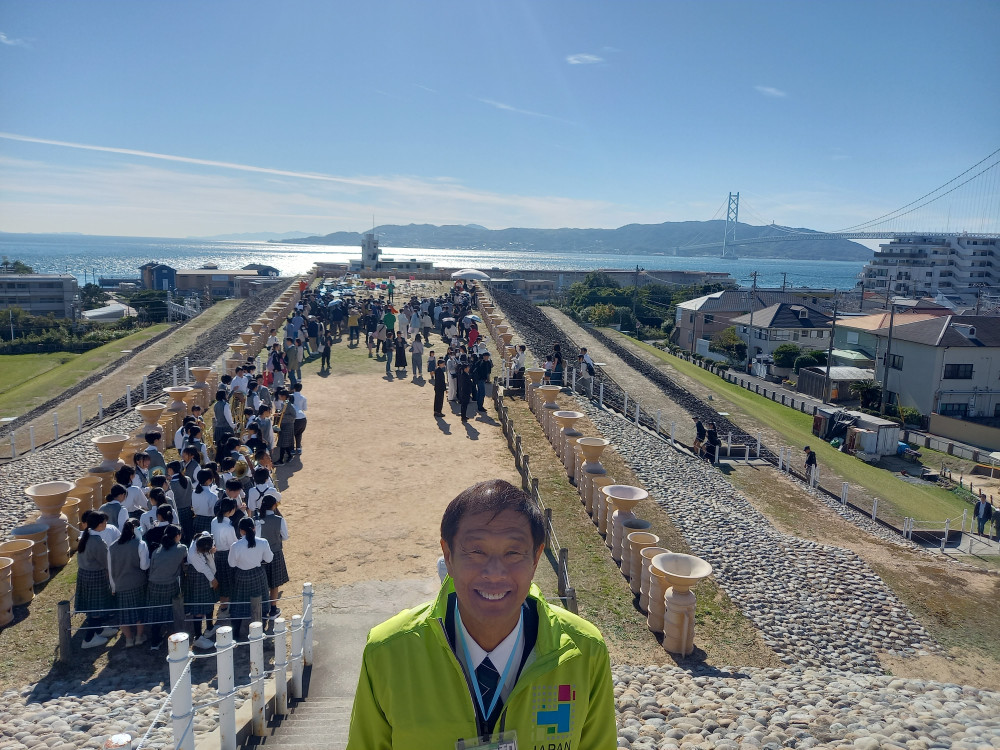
[709,319]
[958,372]
[895,362]
[691,318]
[852,337]
[954,410]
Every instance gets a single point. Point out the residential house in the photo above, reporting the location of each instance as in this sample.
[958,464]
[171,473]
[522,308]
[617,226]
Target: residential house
[805,326]
[209,278]
[697,320]
[158,276]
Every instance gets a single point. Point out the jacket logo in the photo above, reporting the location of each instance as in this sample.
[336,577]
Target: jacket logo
[554,710]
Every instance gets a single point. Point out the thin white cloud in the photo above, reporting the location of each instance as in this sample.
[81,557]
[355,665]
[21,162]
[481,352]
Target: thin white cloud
[583,58]
[428,89]
[771,91]
[4,39]
[509,108]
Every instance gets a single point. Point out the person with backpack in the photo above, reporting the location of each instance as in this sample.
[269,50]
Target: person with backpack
[114,506]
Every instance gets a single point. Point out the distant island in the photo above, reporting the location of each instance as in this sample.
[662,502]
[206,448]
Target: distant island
[669,238]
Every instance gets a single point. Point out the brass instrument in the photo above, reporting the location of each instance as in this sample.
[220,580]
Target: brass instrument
[237,403]
[276,424]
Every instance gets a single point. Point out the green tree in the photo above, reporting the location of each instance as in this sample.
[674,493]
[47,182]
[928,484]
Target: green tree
[92,297]
[784,355]
[15,266]
[804,360]
[151,305]
[728,342]
[868,391]
[600,280]
[602,314]
[819,355]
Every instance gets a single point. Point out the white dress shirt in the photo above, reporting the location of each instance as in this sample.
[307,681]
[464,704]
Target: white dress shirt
[135,499]
[257,493]
[247,558]
[498,656]
[224,534]
[301,403]
[109,533]
[239,383]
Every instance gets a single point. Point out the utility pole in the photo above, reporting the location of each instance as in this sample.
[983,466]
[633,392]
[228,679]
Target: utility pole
[635,294]
[885,366]
[753,300]
[784,280]
[828,391]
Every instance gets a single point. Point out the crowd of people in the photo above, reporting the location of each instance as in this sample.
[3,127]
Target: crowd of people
[198,517]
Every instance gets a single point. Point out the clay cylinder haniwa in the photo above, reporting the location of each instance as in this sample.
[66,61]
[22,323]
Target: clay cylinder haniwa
[22,572]
[630,526]
[647,556]
[38,534]
[6,592]
[637,542]
[88,488]
[602,507]
[50,498]
[71,509]
[681,573]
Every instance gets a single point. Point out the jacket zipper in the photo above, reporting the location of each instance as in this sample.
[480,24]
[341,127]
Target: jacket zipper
[480,725]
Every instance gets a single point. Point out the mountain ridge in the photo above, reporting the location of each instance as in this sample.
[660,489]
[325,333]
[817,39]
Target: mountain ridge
[668,238]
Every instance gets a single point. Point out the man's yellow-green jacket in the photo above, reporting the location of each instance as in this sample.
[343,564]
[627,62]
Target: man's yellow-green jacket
[413,693]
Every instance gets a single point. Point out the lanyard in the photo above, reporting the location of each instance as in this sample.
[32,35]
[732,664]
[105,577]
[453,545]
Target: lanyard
[468,661]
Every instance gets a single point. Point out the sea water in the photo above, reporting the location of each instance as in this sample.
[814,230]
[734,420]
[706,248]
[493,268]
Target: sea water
[89,257]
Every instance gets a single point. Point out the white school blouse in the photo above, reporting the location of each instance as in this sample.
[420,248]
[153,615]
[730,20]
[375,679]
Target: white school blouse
[247,558]
[204,564]
[203,501]
[224,534]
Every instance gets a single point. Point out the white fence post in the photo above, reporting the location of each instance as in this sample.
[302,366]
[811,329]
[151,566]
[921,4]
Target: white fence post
[658,415]
[55,426]
[625,407]
[13,444]
[944,539]
[875,509]
[79,418]
[31,437]
[673,432]
[187,370]
[307,624]
[572,379]
[100,406]
[180,681]
[781,459]
[965,512]
[636,413]
[758,445]
[145,387]
[591,388]
[814,476]
[843,493]
[297,657]
[729,444]
[128,397]
[175,376]
[600,397]
[227,685]
[788,459]
[280,666]
[256,638]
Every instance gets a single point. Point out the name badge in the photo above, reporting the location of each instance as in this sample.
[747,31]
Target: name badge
[503,741]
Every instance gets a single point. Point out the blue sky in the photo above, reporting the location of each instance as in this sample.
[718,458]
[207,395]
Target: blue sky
[315,116]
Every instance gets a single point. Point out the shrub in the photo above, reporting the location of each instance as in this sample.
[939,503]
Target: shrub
[784,355]
[804,360]
[911,415]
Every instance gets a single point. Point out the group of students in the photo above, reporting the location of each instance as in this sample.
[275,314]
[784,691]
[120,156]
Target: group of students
[214,536]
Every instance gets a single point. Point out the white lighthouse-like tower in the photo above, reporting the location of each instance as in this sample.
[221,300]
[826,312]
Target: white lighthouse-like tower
[369,252]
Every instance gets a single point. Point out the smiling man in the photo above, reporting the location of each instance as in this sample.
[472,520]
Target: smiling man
[489,663]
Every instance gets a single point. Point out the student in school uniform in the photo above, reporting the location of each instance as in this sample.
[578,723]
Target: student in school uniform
[246,557]
[224,536]
[141,464]
[286,433]
[262,486]
[164,518]
[190,461]
[274,529]
[128,561]
[203,501]
[154,447]
[147,520]
[93,588]
[135,499]
[301,405]
[114,506]
[201,589]
[181,435]
[182,489]
[165,566]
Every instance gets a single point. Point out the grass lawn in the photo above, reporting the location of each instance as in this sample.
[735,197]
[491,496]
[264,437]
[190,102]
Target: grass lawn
[27,380]
[923,503]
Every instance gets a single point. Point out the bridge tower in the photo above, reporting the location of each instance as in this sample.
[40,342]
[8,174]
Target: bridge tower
[732,216]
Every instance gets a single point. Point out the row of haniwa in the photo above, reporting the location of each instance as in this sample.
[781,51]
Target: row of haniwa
[661,579]
[47,540]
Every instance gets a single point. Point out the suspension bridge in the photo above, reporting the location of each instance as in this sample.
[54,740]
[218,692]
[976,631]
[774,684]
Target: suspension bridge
[969,201]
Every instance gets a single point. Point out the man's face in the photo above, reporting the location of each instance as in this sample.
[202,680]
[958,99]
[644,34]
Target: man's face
[492,564]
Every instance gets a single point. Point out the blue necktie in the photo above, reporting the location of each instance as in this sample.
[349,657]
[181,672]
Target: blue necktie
[489,679]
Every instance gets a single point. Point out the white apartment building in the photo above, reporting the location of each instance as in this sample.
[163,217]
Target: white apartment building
[40,293]
[925,265]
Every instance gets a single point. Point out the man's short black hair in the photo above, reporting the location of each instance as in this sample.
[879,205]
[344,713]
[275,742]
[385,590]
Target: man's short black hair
[492,496]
